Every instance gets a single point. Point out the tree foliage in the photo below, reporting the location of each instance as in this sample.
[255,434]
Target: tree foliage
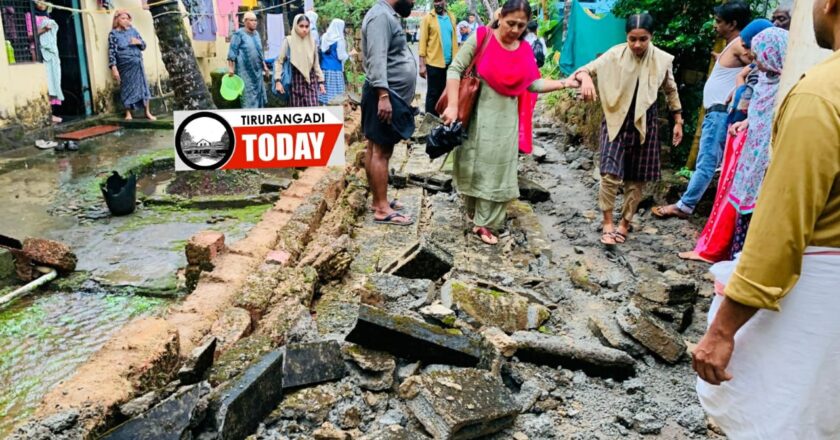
[351,11]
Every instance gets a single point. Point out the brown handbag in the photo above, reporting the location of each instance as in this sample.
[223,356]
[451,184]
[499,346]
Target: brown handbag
[468,88]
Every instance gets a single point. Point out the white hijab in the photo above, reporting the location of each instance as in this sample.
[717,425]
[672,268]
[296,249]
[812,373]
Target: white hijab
[313,26]
[335,34]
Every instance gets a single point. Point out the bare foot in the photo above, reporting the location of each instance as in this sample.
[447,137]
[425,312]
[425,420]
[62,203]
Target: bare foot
[128,117]
[56,120]
[693,256]
[150,117]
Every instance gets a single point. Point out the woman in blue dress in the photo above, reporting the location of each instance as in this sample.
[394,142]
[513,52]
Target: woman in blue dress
[333,55]
[125,58]
[245,58]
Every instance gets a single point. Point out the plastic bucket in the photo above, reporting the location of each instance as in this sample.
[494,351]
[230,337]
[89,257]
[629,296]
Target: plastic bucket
[232,87]
[120,193]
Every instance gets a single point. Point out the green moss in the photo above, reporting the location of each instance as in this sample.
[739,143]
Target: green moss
[449,320]
[543,329]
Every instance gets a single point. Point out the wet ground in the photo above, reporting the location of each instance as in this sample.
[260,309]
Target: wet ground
[55,195]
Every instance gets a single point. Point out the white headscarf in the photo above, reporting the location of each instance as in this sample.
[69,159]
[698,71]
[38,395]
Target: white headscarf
[335,34]
[313,26]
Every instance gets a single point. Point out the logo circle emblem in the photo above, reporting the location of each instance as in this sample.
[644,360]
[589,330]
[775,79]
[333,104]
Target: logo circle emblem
[204,141]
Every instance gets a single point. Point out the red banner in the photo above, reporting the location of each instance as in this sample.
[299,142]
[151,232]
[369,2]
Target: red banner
[283,146]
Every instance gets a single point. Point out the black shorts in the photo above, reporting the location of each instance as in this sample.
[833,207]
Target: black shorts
[382,133]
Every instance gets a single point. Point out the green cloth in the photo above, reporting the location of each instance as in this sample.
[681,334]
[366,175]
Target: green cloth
[485,165]
[588,36]
[485,212]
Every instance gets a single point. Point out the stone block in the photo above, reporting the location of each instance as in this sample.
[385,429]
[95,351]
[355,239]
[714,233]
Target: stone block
[589,356]
[244,403]
[532,191]
[203,247]
[669,288]
[494,308]
[505,345]
[651,332]
[233,325]
[199,362]
[679,316]
[280,258]
[439,313]
[50,253]
[460,404]
[396,292]
[375,369]
[274,186]
[7,265]
[312,363]
[332,260]
[169,420]
[434,181]
[414,339]
[421,259]
[606,329]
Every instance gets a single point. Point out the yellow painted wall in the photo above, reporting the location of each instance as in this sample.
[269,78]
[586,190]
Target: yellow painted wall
[26,83]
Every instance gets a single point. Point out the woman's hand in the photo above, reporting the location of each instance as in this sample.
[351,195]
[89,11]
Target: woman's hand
[587,89]
[738,127]
[279,87]
[135,41]
[116,74]
[449,115]
[678,134]
[322,89]
[230,72]
[571,83]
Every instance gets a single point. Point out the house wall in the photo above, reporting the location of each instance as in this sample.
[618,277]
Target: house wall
[23,96]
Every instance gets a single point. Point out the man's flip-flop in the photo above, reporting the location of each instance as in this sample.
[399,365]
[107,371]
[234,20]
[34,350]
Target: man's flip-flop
[394,204]
[659,212]
[390,220]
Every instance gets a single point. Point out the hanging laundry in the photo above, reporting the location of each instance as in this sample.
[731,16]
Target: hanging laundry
[276,35]
[202,19]
[227,21]
[105,4]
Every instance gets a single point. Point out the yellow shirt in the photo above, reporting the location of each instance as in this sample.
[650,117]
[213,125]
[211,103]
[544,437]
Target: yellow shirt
[799,202]
[430,42]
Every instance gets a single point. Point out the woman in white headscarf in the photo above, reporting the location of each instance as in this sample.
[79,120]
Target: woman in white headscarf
[307,77]
[313,26]
[333,54]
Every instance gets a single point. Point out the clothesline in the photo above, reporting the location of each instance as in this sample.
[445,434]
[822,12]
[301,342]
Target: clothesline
[162,2]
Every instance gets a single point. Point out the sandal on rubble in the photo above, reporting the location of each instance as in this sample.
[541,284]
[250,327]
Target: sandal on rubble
[393,219]
[485,235]
[669,211]
[394,204]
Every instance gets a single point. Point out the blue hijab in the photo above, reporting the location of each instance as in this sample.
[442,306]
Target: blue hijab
[753,29]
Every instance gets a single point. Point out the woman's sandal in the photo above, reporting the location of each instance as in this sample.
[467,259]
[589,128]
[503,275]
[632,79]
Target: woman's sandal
[669,211]
[485,235]
[608,239]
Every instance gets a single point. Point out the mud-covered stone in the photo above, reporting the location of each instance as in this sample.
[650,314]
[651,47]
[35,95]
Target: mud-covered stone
[233,325]
[60,426]
[244,403]
[651,332]
[50,253]
[606,329]
[257,293]
[312,363]
[421,259]
[330,259]
[669,288]
[532,191]
[492,307]
[589,356]
[198,363]
[460,403]
[168,420]
[203,247]
[414,339]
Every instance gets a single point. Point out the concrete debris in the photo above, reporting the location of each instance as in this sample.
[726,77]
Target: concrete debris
[135,407]
[606,329]
[645,423]
[330,261]
[198,363]
[233,325]
[668,288]
[460,404]
[203,247]
[328,431]
[421,259]
[434,181]
[394,432]
[397,293]
[693,418]
[245,402]
[494,308]
[60,426]
[651,332]
[169,420]
[591,357]
[439,313]
[374,369]
[312,363]
[274,186]
[414,339]
[532,191]
[50,253]
[505,345]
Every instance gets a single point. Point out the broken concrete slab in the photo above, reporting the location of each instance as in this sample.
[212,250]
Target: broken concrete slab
[312,363]
[273,186]
[375,369]
[589,356]
[421,259]
[332,260]
[234,324]
[244,403]
[203,247]
[199,362]
[385,289]
[460,404]
[439,313]
[505,345]
[668,288]
[414,339]
[532,191]
[50,253]
[606,329]
[432,181]
[169,420]
[494,308]
[651,332]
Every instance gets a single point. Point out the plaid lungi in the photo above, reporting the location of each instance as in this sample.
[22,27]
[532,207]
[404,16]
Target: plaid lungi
[304,94]
[334,85]
[626,157]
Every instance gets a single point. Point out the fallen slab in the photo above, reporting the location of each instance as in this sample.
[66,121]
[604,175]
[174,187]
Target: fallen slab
[168,420]
[414,339]
[460,404]
[434,181]
[421,259]
[493,307]
[199,362]
[668,288]
[651,332]
[312,363]
[532,191]
[591,357]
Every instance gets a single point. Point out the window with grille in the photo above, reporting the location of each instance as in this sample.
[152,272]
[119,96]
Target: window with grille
[19,30]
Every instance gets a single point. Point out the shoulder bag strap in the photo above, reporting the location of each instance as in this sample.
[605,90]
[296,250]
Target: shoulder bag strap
[472,69]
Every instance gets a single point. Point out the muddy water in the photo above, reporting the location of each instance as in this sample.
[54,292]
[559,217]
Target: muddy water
[45,338]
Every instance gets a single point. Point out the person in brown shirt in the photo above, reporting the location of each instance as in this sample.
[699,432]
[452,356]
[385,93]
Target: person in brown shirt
[769,364]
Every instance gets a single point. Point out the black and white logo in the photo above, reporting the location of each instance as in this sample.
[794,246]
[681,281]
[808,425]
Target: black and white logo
[204,141]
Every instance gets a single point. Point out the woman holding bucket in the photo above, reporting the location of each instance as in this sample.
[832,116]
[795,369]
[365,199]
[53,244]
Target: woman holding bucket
[125,58]
[245,58]
[307,78]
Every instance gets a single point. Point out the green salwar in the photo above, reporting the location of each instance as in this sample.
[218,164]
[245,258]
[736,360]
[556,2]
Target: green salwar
[486,165]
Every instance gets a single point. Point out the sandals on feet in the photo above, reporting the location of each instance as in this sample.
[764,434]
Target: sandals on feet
[669,211]
[394,218]
[693,256]
[608,239]
[619,237]
[394,204]
[485,235]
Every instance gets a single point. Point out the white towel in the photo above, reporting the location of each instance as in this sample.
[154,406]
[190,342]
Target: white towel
[276,35]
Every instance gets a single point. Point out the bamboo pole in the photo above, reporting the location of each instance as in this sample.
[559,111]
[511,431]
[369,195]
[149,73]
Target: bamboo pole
[8,299]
